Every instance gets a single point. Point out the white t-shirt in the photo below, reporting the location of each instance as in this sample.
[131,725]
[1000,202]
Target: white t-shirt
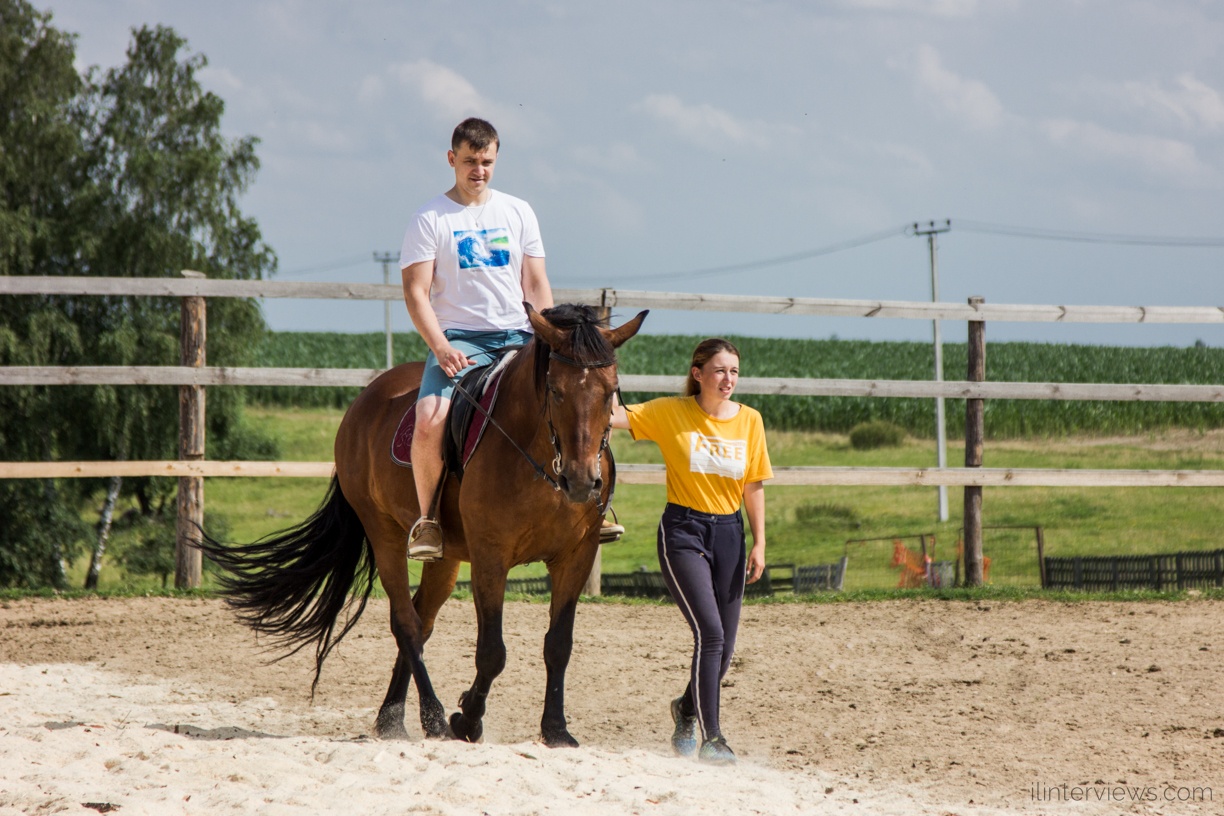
[478,253]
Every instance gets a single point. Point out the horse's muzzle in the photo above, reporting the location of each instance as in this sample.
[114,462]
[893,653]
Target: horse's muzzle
[580,488]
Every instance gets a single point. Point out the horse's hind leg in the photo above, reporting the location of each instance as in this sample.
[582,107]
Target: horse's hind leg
[410,632]
[568,579]
[437,584]
[489,595]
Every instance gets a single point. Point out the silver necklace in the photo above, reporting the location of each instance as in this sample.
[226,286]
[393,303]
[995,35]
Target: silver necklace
[476,217]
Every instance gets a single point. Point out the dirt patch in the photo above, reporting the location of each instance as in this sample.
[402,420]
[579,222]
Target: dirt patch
[969,707]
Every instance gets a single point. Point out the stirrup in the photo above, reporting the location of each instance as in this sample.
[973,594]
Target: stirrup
[425,540]
[610,531]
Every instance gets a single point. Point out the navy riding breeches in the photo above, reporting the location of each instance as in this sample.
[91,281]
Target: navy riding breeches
[703,562]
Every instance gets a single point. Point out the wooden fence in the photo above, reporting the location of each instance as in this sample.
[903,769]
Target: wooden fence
[192,377]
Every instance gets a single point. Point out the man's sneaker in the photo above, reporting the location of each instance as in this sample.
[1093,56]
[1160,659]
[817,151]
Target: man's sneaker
[716,752]
[425,540]
[684,738]
[610,531]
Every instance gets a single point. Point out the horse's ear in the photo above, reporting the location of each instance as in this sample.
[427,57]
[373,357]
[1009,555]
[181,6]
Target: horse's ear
[624,331]
[550,334]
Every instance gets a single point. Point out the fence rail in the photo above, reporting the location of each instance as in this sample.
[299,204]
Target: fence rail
[681,301]
[638,474]
[648,383]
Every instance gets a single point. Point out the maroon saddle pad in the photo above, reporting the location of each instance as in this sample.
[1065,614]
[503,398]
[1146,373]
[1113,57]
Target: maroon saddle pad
[472,428]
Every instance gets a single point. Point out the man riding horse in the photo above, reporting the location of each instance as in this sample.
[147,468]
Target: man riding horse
[470,259]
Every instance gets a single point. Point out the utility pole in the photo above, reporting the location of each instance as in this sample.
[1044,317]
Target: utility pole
[386,258]
[941,435]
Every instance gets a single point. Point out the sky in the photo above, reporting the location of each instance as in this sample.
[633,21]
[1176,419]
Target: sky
[749,147]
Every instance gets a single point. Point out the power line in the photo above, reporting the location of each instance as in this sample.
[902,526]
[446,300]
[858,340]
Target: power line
[779,260]
[328,266]
[1087,237]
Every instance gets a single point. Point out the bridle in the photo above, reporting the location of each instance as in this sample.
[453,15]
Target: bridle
[552,431]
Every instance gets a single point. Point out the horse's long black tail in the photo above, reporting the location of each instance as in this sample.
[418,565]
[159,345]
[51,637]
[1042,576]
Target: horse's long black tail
[293,585]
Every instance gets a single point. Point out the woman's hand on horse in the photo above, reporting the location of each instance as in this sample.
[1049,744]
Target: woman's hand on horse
[620,419]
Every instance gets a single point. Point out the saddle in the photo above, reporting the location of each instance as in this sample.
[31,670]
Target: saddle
[465,425]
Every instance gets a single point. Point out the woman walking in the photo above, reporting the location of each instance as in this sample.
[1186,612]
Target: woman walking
[716,460]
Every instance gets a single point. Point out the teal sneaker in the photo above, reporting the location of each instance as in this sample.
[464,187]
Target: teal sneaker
[716,752]
[684,738]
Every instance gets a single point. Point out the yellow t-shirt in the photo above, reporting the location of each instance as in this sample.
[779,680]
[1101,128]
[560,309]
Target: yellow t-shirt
[708,460]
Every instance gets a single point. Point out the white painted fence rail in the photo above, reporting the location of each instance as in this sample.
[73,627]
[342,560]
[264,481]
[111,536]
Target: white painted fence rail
[681,301]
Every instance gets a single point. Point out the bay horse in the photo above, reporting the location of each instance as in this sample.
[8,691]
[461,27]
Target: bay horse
[555,407]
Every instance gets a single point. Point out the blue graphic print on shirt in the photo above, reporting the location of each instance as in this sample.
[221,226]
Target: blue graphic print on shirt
[483,248]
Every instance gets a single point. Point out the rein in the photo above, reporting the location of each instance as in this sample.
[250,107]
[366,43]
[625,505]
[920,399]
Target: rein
[552,431]
[538,469]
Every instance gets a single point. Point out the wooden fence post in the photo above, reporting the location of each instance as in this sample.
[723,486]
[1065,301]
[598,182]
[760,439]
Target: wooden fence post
[975,433]
[187,560]
[1041,564]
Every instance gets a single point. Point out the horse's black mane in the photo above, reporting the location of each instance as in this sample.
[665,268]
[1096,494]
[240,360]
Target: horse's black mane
[587,343]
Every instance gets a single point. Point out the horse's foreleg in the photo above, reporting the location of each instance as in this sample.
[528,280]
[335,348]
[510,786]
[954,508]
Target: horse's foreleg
[489,594]
[567,582]
[558,645]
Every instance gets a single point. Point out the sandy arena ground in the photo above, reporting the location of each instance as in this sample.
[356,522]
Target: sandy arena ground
[156,706]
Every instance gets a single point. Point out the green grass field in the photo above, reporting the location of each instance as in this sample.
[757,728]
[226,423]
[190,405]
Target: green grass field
[809,525]
[849,359]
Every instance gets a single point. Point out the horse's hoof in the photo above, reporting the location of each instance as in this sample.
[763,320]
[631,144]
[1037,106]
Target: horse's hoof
[561,739]
[395,731]
[390,724]
[433,722]
[461,731]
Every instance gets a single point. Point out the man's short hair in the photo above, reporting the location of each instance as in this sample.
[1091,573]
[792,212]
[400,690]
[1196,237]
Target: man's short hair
[476,132]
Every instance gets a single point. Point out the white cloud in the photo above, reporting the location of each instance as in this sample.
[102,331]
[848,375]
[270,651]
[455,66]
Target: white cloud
[704,124]
[290,21]
[448,93]
[619,157]
[909,160]
[968,100]
[1168,159]
[222,79]
[326,137]
[1191,102]
[371,90]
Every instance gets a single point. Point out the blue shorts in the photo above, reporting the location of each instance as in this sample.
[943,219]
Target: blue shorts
[477,345]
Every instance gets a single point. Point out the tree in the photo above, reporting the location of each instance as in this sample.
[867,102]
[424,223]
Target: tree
[42,160]
[143,185]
